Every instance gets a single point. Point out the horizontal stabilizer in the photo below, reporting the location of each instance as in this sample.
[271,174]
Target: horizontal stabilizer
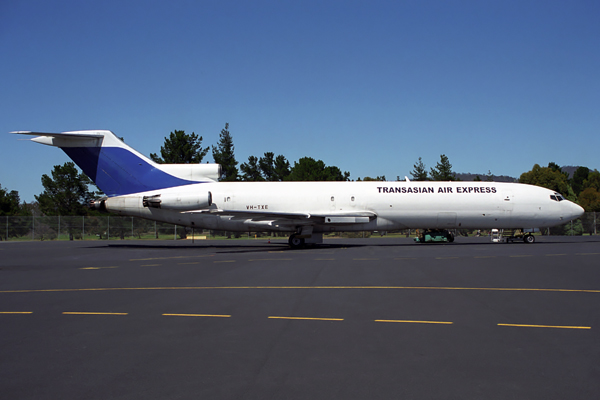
[69,135]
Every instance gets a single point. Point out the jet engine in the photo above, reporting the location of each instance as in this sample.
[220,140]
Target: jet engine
[98,204]
[177,201]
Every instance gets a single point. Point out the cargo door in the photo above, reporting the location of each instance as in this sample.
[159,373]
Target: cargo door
[446,220]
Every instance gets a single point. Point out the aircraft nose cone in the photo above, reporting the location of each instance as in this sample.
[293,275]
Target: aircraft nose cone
[576,211]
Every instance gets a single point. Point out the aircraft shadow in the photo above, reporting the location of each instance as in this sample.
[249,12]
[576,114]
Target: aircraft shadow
[282,246]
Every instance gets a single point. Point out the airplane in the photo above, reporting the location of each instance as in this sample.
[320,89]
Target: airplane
[190,195]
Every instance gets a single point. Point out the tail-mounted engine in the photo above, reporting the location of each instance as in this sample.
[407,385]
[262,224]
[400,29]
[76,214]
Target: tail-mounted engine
[98,204]
[180,202]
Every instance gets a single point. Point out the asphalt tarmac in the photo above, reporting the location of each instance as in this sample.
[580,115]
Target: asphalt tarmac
[371,318]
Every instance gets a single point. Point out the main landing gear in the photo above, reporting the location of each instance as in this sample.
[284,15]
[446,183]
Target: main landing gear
[304,238]
[296,242]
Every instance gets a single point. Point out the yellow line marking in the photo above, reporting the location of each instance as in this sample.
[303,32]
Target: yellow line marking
[547,326]
[169,258]
[197,315]
[415,322]
[106,289]
[91,313]
[307,318]
[16,312]
[99,267]
[223,261]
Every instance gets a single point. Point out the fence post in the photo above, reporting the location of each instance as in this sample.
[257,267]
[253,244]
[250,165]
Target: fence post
[108,230]
[175,234]
[33,227]
[132,227]
[572,228]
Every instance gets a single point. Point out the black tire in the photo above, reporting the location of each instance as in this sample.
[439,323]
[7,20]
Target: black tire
[450,237]
[295,242]
[529,239]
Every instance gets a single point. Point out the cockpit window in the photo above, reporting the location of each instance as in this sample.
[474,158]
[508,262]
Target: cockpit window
[556,197]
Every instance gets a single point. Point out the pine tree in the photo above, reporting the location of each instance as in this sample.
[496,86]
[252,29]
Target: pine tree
[419,173]
[223,154]
[181,148]
[251,170]
[443,170]
[309,169]
[66,193]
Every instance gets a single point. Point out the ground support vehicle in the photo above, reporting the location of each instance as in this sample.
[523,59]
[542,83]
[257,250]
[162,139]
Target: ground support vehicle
[510,235]
[435,235]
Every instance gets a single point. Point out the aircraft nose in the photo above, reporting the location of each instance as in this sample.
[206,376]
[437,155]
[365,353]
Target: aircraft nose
[575,210]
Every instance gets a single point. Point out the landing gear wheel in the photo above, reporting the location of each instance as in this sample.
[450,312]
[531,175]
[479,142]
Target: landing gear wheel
[295,242]
[450,237]
[529,239]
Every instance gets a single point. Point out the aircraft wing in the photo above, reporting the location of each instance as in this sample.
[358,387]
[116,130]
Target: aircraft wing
[286,218]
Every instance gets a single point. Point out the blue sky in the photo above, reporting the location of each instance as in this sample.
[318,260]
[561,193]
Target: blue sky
[366,86]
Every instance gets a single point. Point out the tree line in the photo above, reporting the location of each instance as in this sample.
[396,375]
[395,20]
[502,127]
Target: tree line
[183,148]
[582,188]
[68,191]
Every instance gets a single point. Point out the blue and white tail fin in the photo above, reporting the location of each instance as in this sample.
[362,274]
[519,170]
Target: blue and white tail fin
[118,169]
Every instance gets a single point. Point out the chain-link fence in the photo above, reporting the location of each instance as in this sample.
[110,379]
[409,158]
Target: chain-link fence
[87,228]
[114,228]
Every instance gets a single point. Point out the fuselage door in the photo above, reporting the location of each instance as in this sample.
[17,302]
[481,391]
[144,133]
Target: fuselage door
[508,201]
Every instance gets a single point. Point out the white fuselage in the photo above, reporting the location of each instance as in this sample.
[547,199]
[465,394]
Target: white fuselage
[395,205]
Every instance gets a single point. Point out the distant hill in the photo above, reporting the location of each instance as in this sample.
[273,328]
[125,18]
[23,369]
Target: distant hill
[496,178]
[570,169]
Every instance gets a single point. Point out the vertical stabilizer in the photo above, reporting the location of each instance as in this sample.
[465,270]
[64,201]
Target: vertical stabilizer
[118,169]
